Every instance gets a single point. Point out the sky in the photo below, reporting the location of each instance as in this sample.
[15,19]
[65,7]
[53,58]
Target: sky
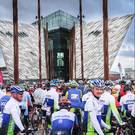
[92,10]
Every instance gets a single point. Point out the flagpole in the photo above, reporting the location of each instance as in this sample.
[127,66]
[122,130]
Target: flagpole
[15,41]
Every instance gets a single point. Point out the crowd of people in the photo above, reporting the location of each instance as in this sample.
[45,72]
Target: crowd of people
[89,107]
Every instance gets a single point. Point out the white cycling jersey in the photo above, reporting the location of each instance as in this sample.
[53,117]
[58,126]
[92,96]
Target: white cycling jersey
[26,102]
[108,106]
[51,99]
[86,96]
[11,116]
[39,95]
[93,107]
[127,101]
[1,94]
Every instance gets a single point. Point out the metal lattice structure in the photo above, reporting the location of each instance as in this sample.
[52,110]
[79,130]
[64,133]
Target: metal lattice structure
[93,50]
[93,45]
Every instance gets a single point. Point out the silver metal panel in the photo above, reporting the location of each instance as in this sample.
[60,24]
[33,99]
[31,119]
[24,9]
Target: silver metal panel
[93,45]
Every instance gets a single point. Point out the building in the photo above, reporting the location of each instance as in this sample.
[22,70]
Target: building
[129,73]
[114,76]
[60,39]
[5,74]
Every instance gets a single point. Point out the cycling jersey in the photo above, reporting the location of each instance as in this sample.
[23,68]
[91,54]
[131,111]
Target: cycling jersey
[85,98]
[3,102]
[63,120]
[127,101]
[85,113]
[11,117]
[74,96]
[122,92]
[39,95]
[94,121]
[108,107]
[26,102]
[133,110]
[51,99]
[1,94]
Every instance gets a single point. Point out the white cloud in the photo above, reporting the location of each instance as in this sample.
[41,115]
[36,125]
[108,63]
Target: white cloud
[126,62]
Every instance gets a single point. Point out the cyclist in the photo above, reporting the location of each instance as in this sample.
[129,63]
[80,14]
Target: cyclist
[50,103]
[122,84]
[116,94]
[11,122]
[63,120]
[85,113]
[108,106]
[2,93]
[26,105]
[51,98]
[93,107]
[133,116]
[39,95]
[74,95]
[127,101]
[5,98]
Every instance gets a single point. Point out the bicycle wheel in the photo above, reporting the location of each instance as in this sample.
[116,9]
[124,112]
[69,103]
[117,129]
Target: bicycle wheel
[35,120]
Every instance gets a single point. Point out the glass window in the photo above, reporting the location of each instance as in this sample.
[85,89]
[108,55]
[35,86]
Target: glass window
[60,59]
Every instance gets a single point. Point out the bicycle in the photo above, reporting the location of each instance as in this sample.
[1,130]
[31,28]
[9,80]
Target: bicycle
[39,120]
[28,132]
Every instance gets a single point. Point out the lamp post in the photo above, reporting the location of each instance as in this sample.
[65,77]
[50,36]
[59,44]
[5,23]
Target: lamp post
[15,41]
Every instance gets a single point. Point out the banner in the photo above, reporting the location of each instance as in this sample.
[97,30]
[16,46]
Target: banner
[1,77]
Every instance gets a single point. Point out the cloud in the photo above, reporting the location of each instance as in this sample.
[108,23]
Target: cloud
[92,9]
[130,53]
[126,62]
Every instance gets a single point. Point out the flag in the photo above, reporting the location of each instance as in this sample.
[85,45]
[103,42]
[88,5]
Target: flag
[1,77]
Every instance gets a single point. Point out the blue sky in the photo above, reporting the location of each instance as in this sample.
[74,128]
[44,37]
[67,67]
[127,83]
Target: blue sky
[92,10]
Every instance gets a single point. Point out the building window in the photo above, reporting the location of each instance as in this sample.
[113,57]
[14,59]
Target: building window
[22,34]
[9,34]
[60,59]
[2,33]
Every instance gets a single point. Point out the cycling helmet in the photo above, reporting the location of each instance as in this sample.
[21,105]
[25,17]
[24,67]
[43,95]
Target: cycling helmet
[122,82]
[128,88]
[52,84]
[108,85]
[73,84]
[97,83]
[128,82]
[16,89]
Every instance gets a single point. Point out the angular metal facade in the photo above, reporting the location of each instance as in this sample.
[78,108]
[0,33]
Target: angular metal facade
[28,50]
[93,45]
[93,50]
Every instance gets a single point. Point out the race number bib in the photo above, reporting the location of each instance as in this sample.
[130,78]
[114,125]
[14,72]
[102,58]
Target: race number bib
[74,96]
